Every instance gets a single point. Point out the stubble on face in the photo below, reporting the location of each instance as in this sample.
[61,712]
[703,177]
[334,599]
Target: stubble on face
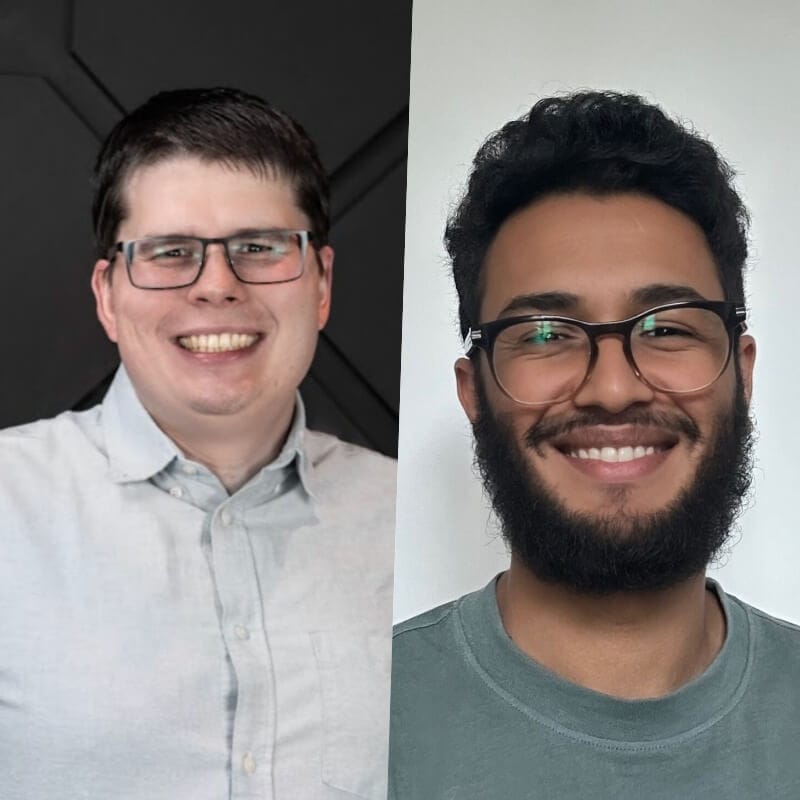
[617,551]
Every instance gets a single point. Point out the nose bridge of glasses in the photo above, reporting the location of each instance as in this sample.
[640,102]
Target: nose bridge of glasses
[599,332]
[216,268]
[214,251]
[612,364]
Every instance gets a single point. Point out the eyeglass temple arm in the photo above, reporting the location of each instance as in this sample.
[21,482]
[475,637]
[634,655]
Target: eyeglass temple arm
[741,317]
[471,341]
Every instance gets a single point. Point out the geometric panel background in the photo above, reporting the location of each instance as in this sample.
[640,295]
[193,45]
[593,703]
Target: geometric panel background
[69,70]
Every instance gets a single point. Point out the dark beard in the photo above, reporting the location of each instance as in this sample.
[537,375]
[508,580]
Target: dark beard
[599,554]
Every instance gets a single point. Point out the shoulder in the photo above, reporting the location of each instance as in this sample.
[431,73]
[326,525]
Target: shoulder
[426,623]
[335,461]
[45,463]
[47,440]
[323,447]
[433,676]
[774,645]
[427,643]
[772,631]
[353,491]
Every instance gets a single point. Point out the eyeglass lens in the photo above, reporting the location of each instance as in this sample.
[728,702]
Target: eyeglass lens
[261,257]
[675,350]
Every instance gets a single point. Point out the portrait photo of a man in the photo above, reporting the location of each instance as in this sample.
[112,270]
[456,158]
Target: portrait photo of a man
[197,472]
[598,248]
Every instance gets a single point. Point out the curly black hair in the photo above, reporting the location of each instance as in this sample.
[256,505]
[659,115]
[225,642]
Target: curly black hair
[601,143]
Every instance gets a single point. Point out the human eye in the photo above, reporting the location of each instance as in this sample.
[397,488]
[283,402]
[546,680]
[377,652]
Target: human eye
[664,324]
[169,252]
[544,332]
[674,329]
[540,337]
[266,246]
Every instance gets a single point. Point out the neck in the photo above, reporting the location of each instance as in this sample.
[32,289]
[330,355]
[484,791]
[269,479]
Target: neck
[233,449]
[632,645]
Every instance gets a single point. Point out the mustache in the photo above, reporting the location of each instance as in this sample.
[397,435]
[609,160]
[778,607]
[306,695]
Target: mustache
[546,429]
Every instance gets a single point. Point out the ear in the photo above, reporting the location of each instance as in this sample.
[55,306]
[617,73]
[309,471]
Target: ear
[325,278]
[746,354]
[465,385]
[101,287]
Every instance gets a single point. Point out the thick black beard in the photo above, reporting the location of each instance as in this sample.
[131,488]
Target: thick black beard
[598,554]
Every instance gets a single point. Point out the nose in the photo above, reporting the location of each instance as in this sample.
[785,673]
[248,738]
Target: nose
[217,283]
[613,384]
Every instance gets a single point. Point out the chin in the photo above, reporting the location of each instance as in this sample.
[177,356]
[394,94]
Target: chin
[218,406]
[620,502]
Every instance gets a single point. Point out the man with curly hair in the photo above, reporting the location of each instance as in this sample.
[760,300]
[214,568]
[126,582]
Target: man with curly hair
[598,255]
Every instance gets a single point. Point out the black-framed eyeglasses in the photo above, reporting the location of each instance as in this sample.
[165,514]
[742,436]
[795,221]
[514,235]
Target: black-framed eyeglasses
[677,348]
[173,262]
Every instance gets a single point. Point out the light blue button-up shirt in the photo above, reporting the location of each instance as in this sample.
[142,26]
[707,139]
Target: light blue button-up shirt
[162,639]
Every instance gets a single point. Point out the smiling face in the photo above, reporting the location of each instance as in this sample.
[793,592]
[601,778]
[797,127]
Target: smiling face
[618,449]
[218,348]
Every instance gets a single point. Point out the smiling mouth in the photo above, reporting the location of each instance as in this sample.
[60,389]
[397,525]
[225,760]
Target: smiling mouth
[217,342]
[613,454]
[604,444]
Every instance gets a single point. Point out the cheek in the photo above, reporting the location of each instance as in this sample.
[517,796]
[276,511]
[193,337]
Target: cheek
[706,408]
[520,420]
[298,312]
[138,322]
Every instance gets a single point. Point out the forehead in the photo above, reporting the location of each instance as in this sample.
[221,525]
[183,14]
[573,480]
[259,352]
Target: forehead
[185,194]
[599,249]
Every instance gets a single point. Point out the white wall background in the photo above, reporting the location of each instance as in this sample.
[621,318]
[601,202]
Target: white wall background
[732,69]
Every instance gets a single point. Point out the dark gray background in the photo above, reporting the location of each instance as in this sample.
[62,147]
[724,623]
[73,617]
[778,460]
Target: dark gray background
[70,69]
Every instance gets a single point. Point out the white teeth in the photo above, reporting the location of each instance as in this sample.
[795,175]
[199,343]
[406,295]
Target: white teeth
[217,342]
[609,454]
[613,454]
[625,454]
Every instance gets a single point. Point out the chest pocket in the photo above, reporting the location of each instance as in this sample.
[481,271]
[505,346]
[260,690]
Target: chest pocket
[354,669]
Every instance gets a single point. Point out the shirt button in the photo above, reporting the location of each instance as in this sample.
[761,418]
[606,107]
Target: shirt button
[176,491]
[242,632]
[226,517]
[248,763]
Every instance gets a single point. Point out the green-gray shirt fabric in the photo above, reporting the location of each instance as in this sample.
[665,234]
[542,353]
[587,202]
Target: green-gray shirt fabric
[473,718]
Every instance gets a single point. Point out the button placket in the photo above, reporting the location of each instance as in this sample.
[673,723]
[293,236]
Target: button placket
[237,582]
[249,763]
[241,632]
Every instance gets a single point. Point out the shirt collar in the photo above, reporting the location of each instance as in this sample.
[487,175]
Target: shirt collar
[138,449]
[294,449]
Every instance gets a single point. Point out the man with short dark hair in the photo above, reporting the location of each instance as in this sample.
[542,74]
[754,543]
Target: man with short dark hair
[598,255]
[196,589]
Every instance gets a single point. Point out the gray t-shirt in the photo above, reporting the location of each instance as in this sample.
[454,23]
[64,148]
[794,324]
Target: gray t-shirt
[473,718]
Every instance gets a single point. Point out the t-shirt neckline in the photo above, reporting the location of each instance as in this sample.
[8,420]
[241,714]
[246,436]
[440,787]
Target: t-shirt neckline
[581,713]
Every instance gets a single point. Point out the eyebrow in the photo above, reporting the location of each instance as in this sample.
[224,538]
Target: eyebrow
[543,301]
[564,302]
[660,293]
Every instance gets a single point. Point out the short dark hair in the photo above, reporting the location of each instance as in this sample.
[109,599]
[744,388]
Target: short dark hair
[601,143]
[219,124]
